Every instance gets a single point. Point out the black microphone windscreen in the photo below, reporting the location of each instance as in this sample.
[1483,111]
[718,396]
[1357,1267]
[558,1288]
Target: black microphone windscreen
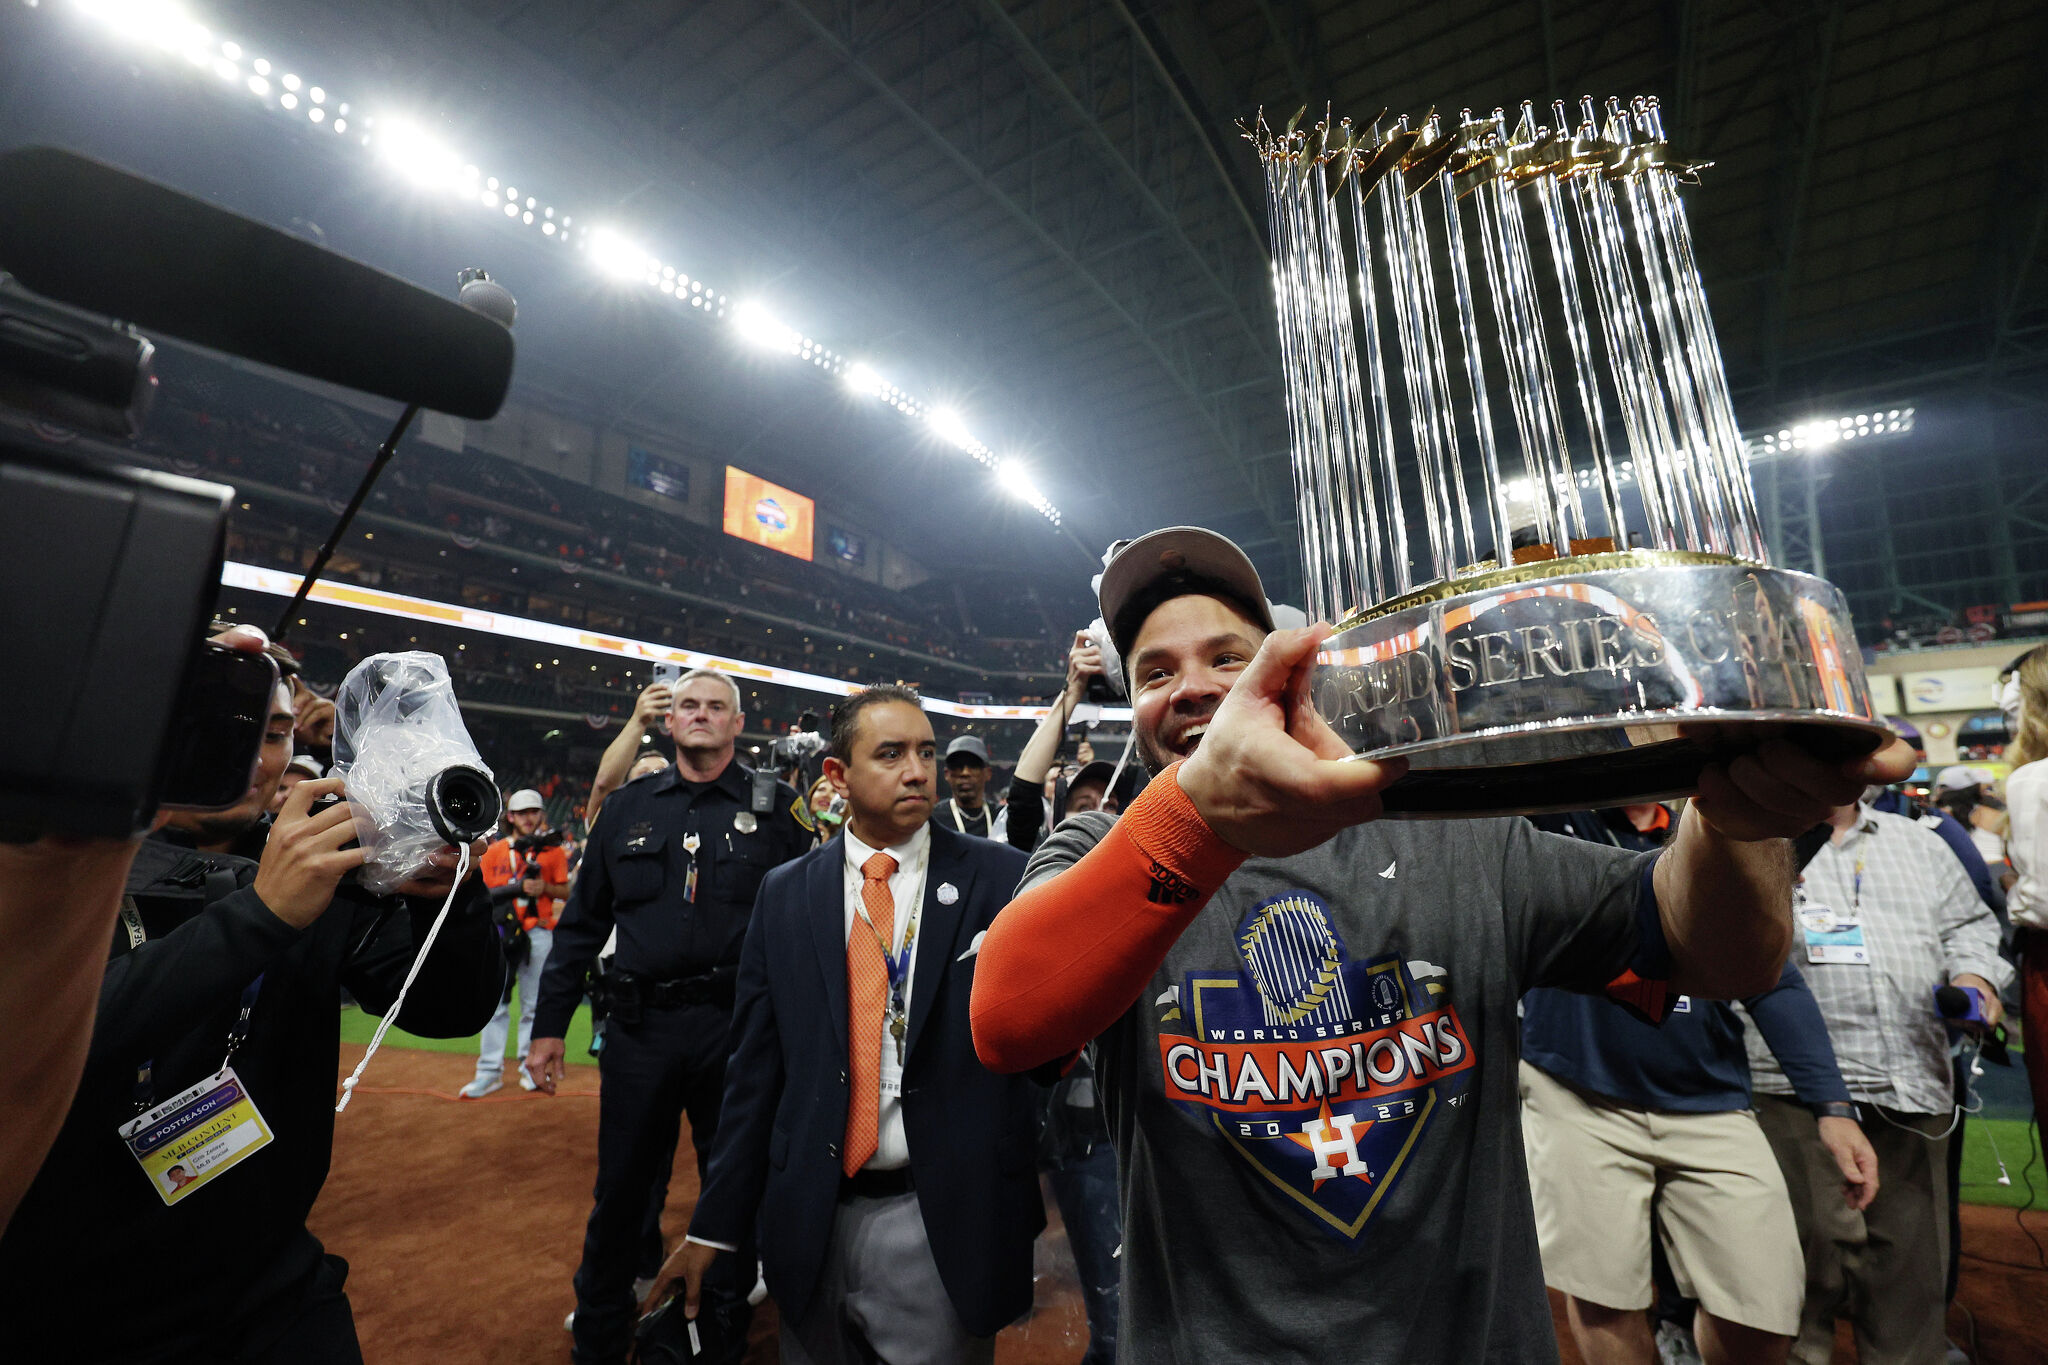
[1951,1002]
[98,238]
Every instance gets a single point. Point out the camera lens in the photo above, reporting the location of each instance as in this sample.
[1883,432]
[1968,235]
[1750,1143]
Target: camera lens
[463,803]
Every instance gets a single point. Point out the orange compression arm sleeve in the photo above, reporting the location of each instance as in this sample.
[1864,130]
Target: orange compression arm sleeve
[1066,958]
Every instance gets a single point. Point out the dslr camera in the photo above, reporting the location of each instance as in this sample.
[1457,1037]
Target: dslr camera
[795,756]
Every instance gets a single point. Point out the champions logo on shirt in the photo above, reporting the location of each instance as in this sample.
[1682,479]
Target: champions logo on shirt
[1321,1072]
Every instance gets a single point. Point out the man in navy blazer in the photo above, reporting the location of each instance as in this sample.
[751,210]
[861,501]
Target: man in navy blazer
[891,1183]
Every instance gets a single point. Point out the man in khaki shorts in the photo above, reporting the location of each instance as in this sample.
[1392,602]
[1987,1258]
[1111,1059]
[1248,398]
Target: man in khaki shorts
[1631,1128]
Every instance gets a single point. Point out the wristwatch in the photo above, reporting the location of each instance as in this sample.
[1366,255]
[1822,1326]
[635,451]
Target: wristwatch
[1833,1109]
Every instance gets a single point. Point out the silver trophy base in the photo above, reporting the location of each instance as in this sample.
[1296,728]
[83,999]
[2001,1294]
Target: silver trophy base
[1596,680]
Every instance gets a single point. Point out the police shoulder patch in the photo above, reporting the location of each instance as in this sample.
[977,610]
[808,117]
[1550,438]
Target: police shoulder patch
[801,809]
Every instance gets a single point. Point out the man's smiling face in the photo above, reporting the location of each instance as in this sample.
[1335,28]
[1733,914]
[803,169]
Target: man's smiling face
[1184,661]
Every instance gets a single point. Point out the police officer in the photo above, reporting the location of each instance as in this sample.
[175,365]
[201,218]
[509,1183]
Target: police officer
[673,863]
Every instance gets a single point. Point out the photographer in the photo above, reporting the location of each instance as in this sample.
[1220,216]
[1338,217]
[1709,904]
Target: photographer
[1029,814]
[650,711]
[528,873]
[797,757]
[225,969]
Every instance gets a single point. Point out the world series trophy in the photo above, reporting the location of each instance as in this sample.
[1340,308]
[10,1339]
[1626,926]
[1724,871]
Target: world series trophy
[1599,621]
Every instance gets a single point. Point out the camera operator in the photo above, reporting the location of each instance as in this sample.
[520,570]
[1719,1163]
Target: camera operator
[528,873]
[235,939]
[58,898]
[799,755]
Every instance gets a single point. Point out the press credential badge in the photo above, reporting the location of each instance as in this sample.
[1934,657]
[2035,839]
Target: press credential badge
[196,1135]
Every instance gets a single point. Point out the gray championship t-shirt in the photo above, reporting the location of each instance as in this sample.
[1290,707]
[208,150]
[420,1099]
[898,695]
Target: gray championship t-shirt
[1314,1101]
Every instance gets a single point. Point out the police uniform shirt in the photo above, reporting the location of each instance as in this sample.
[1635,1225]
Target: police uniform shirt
[635,878]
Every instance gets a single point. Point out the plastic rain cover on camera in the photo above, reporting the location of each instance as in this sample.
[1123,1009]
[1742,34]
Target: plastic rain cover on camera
[397,725]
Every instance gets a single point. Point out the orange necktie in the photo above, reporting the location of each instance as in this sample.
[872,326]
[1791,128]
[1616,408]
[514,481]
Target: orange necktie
[867,1003]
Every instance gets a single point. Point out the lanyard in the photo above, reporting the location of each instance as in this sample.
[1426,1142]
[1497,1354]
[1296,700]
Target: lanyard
[960,821]
[897,965]
[1856,891]
[238,1032]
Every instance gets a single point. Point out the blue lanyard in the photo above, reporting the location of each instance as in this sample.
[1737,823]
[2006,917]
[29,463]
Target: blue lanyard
[898,964]
[238,1033]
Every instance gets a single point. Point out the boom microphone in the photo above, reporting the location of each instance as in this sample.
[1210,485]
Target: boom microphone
[102,239]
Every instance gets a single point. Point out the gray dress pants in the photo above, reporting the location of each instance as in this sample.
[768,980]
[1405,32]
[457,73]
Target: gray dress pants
[879,1299]
[1883,1269]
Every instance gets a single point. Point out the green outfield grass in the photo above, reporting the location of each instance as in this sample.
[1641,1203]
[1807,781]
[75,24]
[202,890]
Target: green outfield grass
[356,1027]
[2017,1142]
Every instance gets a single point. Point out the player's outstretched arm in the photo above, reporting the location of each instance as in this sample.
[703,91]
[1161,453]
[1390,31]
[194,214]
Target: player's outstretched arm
[1073,951]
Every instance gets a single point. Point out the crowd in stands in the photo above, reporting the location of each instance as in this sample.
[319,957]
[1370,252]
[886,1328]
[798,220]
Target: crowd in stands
[274,443]
[1976,625]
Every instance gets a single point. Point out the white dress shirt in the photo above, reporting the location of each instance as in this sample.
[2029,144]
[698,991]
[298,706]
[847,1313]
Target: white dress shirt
[2026,844]
[906,889]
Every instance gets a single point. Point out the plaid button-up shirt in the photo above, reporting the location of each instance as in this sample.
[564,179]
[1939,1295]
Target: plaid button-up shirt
[1923,924]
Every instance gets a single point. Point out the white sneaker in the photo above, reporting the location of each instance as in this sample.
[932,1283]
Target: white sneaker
[526,1082]
[482,1086]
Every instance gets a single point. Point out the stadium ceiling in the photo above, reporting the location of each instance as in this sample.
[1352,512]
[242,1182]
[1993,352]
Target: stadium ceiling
[1050,198]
